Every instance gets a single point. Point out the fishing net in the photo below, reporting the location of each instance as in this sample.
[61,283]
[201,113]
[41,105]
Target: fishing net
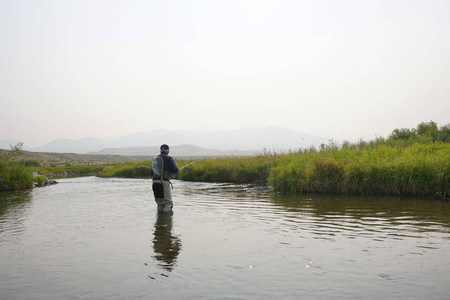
[157,165]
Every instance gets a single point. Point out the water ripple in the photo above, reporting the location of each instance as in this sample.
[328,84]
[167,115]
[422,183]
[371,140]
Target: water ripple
[102,238]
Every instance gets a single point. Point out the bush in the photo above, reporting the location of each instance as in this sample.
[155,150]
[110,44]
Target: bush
[40,180]
[17,177]
[30,163]
[13,175]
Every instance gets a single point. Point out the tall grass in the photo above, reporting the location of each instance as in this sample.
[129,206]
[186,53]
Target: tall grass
[128,170]
[16,177]
[237,170]
[61,171]
[13,175]
[417,170]
[132,170]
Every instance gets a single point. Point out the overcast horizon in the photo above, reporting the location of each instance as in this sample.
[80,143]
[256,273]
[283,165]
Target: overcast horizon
[292,145]
[324,139]
[336,69]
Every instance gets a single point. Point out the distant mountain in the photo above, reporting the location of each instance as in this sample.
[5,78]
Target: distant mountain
[83,145]
[255,139]
[81,159]
[176,150]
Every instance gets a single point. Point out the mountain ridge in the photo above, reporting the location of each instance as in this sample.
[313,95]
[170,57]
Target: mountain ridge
[254,139]
[185,150]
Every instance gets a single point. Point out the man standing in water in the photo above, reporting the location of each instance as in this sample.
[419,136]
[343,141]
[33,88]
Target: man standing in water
[163,166]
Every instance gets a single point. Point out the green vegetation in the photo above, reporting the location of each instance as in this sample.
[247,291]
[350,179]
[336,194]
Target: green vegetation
[68,170]
[73,159]
[132,170]
[425,132]
[128,170]
[237,170]
[418,170]
[413,164]
[16,173]
[13,175]
[40,180]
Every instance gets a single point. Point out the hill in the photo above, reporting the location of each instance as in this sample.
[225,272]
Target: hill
[177,151]
[80,159]
[255,139]
[127,154]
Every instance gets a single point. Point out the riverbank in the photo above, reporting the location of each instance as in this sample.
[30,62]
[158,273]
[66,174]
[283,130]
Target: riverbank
[133,170]
[417,170]
[411,162]
[68,171]
[17,176]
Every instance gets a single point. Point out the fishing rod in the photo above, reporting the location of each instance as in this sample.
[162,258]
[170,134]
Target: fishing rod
[189,164]
[194,162]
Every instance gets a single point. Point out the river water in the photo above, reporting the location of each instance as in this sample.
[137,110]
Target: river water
[94,238]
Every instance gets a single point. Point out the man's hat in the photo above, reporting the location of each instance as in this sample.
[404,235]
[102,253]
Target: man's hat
[164,147]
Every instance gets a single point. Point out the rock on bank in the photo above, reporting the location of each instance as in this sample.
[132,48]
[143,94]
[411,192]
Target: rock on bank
[41,180]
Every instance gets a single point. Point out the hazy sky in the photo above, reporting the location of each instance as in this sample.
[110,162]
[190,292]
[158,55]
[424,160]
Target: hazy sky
[336,69]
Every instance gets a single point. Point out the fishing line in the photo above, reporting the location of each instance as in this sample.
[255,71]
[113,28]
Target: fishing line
[188,164]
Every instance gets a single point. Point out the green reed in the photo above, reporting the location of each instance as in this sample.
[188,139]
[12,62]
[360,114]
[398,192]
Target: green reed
[417,170]
[237,170]
[15,177]
[132,170]
[75,170]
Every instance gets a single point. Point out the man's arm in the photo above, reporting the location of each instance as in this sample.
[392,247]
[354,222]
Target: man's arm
[173,167]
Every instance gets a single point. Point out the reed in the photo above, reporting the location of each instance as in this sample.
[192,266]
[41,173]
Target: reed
[236,170]
[132,170]
[417,170]
[62,171]
[13,175]
[16,177]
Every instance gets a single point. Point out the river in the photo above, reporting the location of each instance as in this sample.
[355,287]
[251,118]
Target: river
[94,238]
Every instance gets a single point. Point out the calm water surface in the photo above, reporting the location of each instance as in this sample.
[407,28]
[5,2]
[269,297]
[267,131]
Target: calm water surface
[93,238]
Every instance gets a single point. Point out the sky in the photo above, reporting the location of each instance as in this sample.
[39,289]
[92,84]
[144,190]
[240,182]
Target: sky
[336,69]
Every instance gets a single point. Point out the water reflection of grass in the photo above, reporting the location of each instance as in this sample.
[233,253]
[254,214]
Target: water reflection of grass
[418,170]
[344,211]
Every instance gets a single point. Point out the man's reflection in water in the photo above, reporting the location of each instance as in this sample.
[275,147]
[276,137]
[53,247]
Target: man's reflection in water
[166,246]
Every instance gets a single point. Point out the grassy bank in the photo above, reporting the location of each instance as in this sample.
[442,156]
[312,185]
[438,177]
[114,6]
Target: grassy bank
[16,177]
[62,171]
[128,170]
[237,170]
[73,159]
[417,170]
[412,162]
[132,170]
[13,175]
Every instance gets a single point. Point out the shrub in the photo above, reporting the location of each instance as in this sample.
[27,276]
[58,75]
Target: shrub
[40,180]
[13,175]
[17,177]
